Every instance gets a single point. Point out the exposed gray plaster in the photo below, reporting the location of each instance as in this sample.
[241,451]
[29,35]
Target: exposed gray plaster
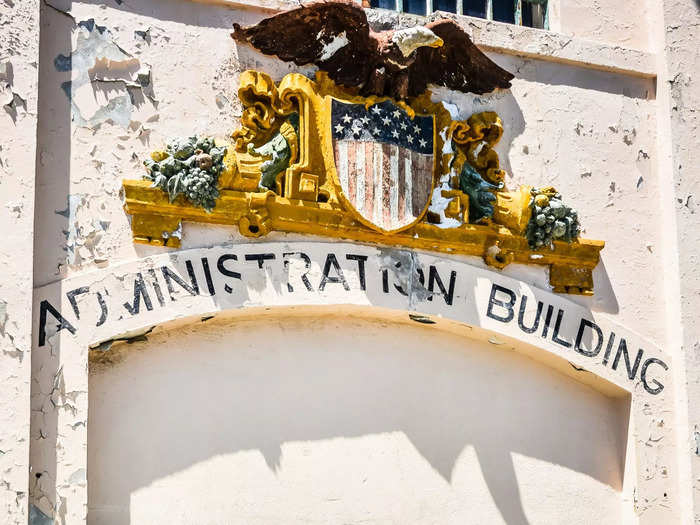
[404,272]
[78,477]
[143,35]
[36,517]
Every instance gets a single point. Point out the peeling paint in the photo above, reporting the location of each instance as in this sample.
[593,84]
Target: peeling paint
[421,319]
[84,233]
[79,477]
[331,48]
[222,101]
[129,338]
[407,273]
[98,64]
[6,80]
[143,35]
[3,316]
[176,233]
[14,104]
[438,203]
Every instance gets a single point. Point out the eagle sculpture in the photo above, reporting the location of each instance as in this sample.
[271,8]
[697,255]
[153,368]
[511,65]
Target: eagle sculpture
[337,38]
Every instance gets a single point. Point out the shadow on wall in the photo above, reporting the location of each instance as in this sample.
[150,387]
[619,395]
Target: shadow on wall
[558,74]
[186,12]
[186,397]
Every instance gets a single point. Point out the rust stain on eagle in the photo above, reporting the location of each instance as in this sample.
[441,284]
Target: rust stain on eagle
[401,63]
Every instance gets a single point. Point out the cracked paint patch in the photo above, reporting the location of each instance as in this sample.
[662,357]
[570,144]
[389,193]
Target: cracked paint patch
[11,350]
[406,270]
[84,231]
[176,233]
[107,83]
[13,104]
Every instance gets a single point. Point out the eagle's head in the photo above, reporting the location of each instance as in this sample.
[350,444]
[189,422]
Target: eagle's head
[408,40]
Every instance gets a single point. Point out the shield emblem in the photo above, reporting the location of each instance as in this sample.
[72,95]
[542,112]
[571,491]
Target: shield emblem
[384,162]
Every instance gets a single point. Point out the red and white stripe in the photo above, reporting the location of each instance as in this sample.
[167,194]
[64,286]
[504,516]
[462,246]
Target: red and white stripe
[388,185]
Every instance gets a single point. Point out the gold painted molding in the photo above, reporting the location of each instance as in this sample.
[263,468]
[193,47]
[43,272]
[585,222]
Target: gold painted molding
[571,265]
[307,196]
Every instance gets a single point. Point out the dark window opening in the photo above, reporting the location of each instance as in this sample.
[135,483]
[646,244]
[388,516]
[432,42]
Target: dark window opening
[474,8]
[527,15]
[416,7]
[504,11]
[383,4]
[530,13]
[445,5]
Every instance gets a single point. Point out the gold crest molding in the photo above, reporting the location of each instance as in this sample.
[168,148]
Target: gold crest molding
[306,197]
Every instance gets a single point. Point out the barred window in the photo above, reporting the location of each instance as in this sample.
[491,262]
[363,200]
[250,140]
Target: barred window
[530,13]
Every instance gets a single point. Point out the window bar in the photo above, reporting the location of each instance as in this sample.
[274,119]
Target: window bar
[428,7]
[518,12]
[489,9]
[399,6]
[460,7]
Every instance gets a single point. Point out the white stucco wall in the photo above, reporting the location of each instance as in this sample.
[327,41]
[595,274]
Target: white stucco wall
[19,61]
[627,24]
[602,108]
[679,98]
[328,420]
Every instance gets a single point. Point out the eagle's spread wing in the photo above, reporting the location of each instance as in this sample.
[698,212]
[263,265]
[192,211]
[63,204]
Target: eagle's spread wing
[333,35]
[458,64]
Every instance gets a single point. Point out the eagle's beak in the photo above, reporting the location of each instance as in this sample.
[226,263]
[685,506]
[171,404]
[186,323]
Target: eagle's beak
[408,40]
[437,43]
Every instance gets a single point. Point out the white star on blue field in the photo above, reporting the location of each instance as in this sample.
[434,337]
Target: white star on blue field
[384,122]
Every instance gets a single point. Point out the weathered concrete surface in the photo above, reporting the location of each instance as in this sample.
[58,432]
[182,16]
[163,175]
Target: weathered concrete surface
[679,100]
[580,49]
[19,59]
[622,24]
[582,115]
